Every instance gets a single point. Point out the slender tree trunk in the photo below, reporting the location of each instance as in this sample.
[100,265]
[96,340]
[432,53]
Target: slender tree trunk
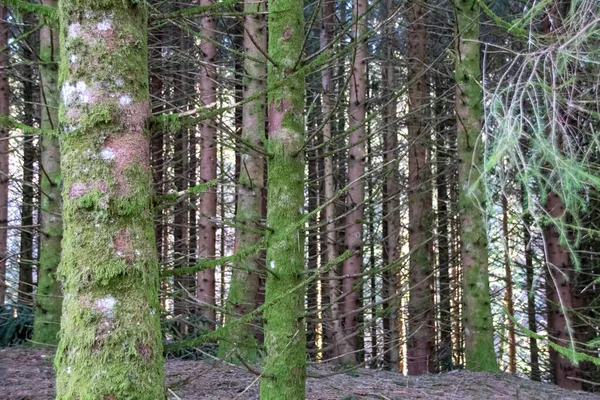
[355,196]
[284,366]
[26,262]
[421,311]
[529,281]
[49,296]
[208,169]
[391,204]
[4,156]
[333,329]
[442,116]
[478,327]
[110,343]
[510,307]
[244,286]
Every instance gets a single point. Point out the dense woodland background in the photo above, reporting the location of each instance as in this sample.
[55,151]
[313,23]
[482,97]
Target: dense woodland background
[441,205]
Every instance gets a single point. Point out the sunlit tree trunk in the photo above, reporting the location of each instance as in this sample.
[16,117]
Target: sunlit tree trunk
[477,319]
[49,297]
[110,346]
[283,368]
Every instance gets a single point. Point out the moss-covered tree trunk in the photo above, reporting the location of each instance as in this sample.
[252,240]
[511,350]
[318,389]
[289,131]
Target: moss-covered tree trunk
[284,368]
[4,133]
[421,312]
[478,327]
[208,168]
[48,299]
[356,191]
[110,346]
[244,278]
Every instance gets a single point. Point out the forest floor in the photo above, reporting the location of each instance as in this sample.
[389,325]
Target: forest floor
[27,374]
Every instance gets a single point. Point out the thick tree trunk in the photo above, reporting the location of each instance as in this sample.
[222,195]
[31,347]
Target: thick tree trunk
[353,237]
[4,156]
[391,205]
[284,366]
[478,327]
[421,312]
[49,296]
[110,343]
[244,286]
[208,169]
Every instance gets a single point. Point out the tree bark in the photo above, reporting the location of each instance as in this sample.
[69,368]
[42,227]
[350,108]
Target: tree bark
[46,323]
[110,343]
[477,319]
[510,306]
[244,286]
[208,169]
[353,236]
[421,323]
[4,156]
[284,366]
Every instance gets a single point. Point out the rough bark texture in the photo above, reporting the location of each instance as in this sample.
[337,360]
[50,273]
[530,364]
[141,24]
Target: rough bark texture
[245,278]
[284,368]
[391,206]
[356,192]
[508,298]
[478,328]
[4,156]
[208,169]
[48,299]
[529,281]
[110,345]
[421,323]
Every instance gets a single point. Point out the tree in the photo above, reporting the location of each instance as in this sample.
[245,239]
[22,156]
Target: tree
[421,325]
[479,335]
[284,368]
[244,284]
[4,156]
[49,296]
[110,344]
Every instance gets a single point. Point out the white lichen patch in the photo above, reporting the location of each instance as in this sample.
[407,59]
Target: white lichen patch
[74,30]
[73,58]
[75,92]
[105,305]
[68,370]
[272,265]
[105,24]
[125,100]
[107,154]
[119,82]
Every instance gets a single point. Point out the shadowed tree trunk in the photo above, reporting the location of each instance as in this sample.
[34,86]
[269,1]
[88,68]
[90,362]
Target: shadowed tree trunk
[4,156]
[49,297]
[510,307]
[245,278]
[208,169]
[477,319]
[421,312]
[284,366]
[109,265]
[353,236]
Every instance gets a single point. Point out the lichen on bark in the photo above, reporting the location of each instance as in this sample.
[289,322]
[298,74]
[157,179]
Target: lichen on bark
[110,343]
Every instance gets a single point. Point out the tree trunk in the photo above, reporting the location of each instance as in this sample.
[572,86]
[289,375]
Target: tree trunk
[284,367]
[391,205]
[529,281]
[208,169]
[110,343]
[510,307]
[245,278]
[4,156]
[421,312]
[26,262]
[478,327]
[353,237]
[49,295]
